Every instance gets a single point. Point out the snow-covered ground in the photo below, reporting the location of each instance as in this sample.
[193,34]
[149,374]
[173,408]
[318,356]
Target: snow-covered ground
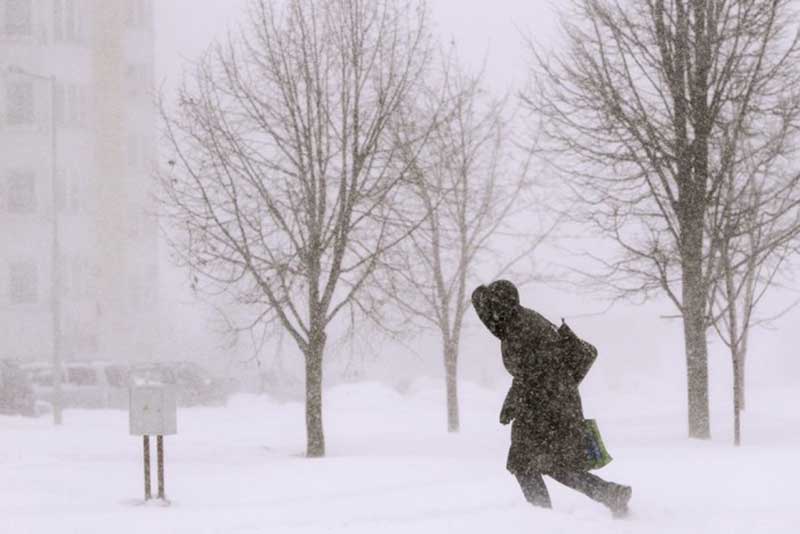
[391,467]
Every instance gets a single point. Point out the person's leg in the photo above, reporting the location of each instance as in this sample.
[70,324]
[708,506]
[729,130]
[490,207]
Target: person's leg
[614,496]
[534,489]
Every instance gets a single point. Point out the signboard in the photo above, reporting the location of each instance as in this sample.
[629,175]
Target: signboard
[153,411]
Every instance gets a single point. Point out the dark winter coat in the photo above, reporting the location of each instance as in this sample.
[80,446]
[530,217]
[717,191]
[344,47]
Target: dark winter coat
[548,431]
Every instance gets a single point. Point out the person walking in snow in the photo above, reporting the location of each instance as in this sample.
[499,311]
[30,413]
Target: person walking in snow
[548,434]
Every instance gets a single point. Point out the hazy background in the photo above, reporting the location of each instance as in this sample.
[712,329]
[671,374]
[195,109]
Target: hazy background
[237,463]
[637,339]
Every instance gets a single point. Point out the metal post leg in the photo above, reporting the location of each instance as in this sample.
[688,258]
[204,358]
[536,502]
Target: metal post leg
[160,452]
[146,442]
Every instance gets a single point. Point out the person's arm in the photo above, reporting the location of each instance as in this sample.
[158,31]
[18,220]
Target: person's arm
[524,353]
[509,410]
[579,355]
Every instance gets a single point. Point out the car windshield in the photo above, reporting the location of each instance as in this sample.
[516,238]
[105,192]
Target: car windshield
[144,376]
[82,376]
[41,376]
[116,376]
[12,376]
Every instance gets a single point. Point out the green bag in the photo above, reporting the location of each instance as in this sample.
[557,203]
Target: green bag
[597,455]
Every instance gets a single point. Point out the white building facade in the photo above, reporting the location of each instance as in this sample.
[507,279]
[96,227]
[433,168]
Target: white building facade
[78,229]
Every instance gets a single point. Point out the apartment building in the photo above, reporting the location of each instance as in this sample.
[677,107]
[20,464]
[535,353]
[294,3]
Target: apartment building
[78,232]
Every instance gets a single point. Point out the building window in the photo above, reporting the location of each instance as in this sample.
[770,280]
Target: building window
[69,21]
[71,105]
[76,278]
[83,107]
[19,102]
[59,104]
[58,20]
[69,192]
[69,30]
[130,16]
[21,192]
[23,282]
[78,23]
[18,17]
[139,14]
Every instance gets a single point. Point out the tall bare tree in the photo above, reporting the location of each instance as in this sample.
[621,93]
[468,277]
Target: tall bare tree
[470,180]
[648,106]
[285,173]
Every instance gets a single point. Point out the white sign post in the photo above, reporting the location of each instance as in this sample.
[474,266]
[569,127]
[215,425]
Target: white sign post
[153,412]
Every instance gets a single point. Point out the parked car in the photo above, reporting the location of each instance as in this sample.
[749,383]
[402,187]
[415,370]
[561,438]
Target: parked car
[16,390]
[95,384]
[40,374]
[102,384]
[150,374]
[197,386]
[194,384]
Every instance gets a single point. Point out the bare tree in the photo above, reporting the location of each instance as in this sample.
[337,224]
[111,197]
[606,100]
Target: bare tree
[285,170]
[760,223]
[471,184]
[649,106]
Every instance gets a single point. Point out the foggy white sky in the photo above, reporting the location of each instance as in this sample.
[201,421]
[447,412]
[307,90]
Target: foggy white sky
[632,337]
[480,28]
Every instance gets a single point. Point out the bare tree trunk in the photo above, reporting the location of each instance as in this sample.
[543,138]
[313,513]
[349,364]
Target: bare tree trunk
[749,303]
[741,373]
[451,377]
[315,438]
[697,375]
[694,290]
[735,343]
[737,396]
[694,326]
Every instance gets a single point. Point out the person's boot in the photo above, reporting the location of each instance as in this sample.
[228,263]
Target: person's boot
[619,496]
[538,499]
[541,503]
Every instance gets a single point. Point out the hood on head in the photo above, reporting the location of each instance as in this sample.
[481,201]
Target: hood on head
[496,304]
